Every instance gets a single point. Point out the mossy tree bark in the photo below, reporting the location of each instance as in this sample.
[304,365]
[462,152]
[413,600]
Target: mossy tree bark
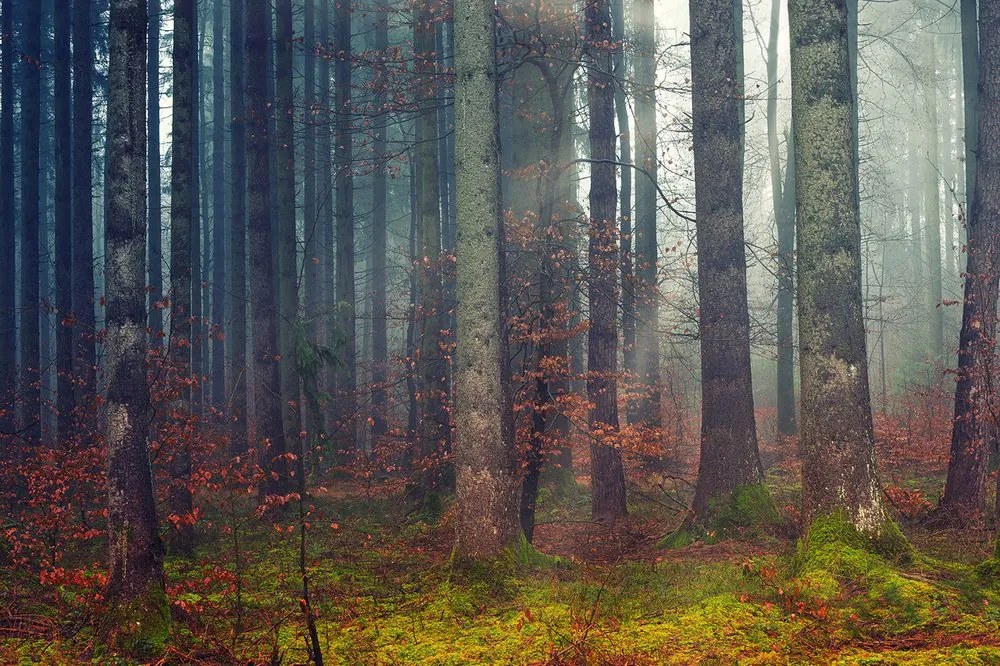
[182,212]
[966,486]
[729,455]
[486,472]
[607,470]
[263,303]
[135,564]
[837,442]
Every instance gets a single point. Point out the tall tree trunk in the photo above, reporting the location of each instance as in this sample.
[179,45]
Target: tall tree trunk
[839,473]
[197,292]
[218,204]
[966,486]
[647,310]
[8,316]
[343,154]
[970,94]
[485,453]
[238,236]
[433,389]
[84,331]
[324,211]
[135,563]
[182,211]
[64,220]
[932,209]
[607,471]
[155,240]
[380,346]
[288,298]
[786,237]
[29,376]
[729,456]
[263,302]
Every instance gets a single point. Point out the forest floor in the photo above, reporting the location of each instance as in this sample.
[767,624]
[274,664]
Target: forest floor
[387,591]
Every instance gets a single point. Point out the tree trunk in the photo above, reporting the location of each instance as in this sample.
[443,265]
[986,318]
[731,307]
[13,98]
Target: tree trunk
[284,207]
[263,303]
[30,222]
[607,471]
[218,204]
[8,275]
[343,155]
[646,250]
[970,94]
[380,346]
[729,456]
[839,473]
[155,240]
[975,421]
[485,453]
[182,211]
[238,236]
[135,564]
[84,331]
[63,220]
[932,210]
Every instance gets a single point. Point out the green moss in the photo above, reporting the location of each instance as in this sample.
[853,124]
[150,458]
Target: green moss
[141,627]
[749,507]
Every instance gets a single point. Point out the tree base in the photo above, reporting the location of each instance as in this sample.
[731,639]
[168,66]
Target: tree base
[748,510]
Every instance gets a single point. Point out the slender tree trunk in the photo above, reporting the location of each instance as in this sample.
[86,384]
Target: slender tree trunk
[8,322]
[155,240]
[238,235]
[783,204]
[263,303]
[729,456]
[84,330]
[607,471]
[218,204]
[975,421]
[343,152]
[324,209]
[380,346]
[64,221]
[288,299]
[182,186]
[839,473]
[970,94]
[135,564]
[646,250]
[932,210]
[485,453]
[29,376]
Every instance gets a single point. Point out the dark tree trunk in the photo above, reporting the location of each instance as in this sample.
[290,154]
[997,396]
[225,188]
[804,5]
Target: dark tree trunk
[607,471]
[729,455]
[646,251]
[324,210]
[380,345]
[238,237]
[155,240]
[218,204]
[8,322]
[837,442]
[284,208]
[968,471]
[63,221]
[29,376]
[486,461]
[84,330]
[343,154]
[182,212]
[263,303]
[135,566]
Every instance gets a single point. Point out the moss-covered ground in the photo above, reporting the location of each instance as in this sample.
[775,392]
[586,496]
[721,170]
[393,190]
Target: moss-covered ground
[387,591]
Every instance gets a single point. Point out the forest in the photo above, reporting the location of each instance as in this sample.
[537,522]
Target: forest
[542,332]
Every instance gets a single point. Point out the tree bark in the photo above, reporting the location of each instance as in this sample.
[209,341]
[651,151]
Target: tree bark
[135,565]
[485,454]
[8,275]
[263,303]
[380,346]
[607,471]
[729,455]
[839,473]
[965,490]
[238,235]
[155,240]
[218,315]
[932,209]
